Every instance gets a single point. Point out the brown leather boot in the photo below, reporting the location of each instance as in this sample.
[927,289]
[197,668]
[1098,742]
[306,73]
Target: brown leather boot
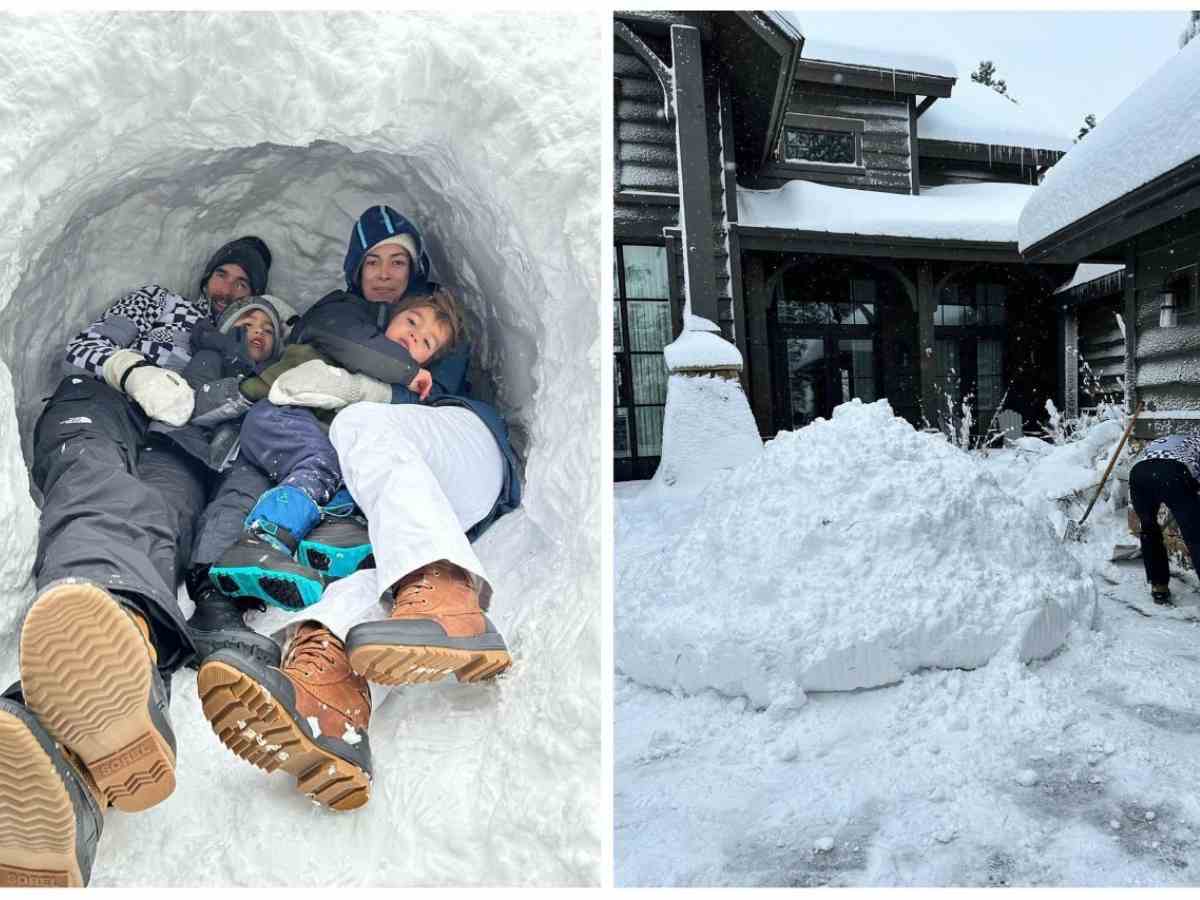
[436,628]
[88,672]
[309,718]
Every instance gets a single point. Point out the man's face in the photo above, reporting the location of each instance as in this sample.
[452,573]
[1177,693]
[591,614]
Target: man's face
[260,333]
[419,332]
[226,284]
[385,271]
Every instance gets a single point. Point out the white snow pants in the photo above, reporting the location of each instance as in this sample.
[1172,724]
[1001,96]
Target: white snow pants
[423,475]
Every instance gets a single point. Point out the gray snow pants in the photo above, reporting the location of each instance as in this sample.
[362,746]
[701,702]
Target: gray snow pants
[119,506]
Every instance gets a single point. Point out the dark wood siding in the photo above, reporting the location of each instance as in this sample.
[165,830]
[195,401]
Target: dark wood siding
[645,140]
[1102,347]
[1168,359]
[886,148]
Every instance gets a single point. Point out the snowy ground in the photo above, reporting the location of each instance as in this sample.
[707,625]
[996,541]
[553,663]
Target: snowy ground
[1078,770]
[131,146]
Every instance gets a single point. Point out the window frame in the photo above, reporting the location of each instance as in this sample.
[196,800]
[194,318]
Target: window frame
[634,465]
[835,124]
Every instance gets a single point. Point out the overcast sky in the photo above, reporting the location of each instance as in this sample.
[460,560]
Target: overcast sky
[1068,63]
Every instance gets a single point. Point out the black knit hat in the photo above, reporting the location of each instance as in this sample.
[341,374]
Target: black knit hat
[249,252]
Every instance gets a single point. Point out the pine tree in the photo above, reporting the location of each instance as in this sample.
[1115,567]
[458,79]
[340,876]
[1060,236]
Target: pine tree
[1089,122]
[1192,29]
[986,74]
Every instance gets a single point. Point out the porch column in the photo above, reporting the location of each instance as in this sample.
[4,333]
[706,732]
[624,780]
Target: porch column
[926,305]
[691,145]
[758,342]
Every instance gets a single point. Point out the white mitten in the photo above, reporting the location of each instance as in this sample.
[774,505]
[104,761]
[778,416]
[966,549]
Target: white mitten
[161,393]
[318,385]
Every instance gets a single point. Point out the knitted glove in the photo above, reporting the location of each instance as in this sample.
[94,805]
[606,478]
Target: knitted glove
[319,385]
[163,394]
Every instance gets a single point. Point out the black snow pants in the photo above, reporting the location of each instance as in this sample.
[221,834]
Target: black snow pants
[1153,482]
[119,508]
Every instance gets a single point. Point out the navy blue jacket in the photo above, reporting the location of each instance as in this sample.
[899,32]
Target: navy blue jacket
[349,330]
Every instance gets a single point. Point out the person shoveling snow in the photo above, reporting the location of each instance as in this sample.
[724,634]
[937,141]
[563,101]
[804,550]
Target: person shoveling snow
[850,553]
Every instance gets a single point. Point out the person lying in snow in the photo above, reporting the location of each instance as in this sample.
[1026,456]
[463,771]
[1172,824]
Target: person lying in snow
[87,725]
[1167,471]
[424,473]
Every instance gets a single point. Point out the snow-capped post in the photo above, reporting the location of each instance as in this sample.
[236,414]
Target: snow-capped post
[695,203]
[707,423]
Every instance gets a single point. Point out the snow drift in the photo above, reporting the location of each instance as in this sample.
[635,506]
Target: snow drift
[849,553]
[131,146]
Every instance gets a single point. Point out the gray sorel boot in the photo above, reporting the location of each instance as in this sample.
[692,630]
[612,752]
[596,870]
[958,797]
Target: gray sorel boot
[51,812]
[89,673]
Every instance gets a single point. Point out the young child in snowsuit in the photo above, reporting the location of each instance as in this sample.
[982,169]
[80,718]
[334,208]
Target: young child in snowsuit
[290,442]
[426,474]
[246,338]
[1166,471]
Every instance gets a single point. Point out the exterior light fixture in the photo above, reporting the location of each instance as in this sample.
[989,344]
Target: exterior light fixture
[1168,316]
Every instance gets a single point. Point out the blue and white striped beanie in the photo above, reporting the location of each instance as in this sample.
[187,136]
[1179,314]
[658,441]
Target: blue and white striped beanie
[375,226]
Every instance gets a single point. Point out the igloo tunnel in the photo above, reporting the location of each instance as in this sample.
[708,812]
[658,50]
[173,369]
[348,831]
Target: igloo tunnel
[132,145]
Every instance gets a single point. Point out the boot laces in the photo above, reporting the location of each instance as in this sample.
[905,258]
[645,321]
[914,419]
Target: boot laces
[411,589]
[316,651]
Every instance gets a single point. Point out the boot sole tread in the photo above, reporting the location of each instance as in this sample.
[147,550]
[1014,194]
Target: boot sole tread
[390,664]
[37,820]
[86,673]
[255,727]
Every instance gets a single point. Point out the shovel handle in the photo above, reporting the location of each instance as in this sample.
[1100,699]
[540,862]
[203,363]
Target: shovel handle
[1112,462]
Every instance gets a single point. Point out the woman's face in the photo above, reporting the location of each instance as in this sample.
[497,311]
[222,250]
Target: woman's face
[385,271]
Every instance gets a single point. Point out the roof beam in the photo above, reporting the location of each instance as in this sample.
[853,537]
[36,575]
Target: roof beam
[925,104]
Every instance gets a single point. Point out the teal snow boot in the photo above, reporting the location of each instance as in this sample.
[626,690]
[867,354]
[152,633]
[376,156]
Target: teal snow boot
[262,564]
[337,547]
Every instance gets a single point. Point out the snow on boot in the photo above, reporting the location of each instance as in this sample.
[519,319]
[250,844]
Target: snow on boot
[88,671]
[219,623]
[1161,594]
[309,719]
[337,547]
[261,563]
[436,628]
[51,812]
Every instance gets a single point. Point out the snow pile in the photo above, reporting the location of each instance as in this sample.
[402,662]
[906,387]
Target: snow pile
[708,430]
[965,212]
[1154,130]
[131,146]
[975,113]
[849,553]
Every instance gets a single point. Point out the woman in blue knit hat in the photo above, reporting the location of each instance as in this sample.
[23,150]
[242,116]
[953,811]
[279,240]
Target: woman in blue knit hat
[429,473]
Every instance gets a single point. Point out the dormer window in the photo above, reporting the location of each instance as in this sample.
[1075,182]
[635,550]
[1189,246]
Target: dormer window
[822,142]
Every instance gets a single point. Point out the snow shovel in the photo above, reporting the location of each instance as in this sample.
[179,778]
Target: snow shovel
[1074,530]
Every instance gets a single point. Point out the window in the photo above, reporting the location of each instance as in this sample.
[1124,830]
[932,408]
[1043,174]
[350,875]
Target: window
[641,328]
[821,142]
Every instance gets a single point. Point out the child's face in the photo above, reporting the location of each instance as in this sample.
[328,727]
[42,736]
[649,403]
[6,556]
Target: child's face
[260,333]
[385,271]
[419,332]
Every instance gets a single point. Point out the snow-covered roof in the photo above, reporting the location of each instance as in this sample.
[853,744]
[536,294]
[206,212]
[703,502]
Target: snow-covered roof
[1154,130]
[908,52]
[1085,272]
[969,212]
[976,113]
[877,57]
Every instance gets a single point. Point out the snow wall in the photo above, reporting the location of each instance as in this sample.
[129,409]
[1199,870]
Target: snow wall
[847,554]
[132,145]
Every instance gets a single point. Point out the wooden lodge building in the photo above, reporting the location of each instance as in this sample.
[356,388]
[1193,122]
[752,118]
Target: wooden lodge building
[1127,201]
[855,214]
